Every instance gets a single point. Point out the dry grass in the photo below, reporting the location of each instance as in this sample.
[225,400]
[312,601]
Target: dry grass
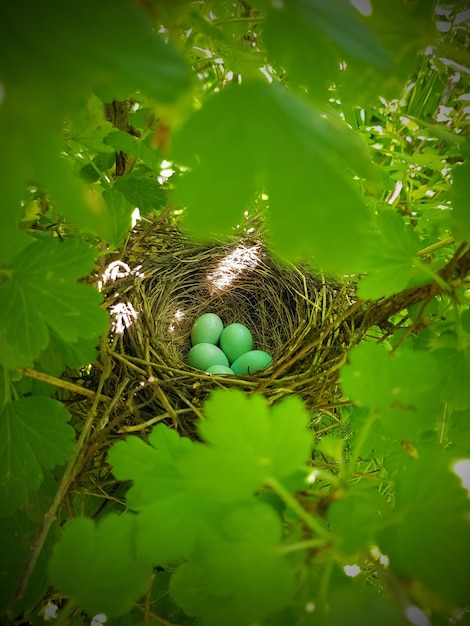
[303,319]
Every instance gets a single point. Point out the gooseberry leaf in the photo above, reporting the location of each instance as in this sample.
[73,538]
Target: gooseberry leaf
[358,605]
[141,191]
[127,54]
[400,389]
[154,469]
[455,371]
[432,500]
[41,293]
[104,575]
[18,532]
[34,435]
[403,34]
[167,530]
[391,262]
[273,441]
[132,146]
[299,155]
[356,518]
[119,216]
[240,579]
[303,34]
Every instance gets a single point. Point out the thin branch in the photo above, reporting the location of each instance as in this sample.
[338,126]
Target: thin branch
[70,473]
[63,384]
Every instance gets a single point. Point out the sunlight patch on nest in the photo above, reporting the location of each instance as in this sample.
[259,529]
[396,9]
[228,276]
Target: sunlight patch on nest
[231,266]
[117,270]
[123,315]
[177,317]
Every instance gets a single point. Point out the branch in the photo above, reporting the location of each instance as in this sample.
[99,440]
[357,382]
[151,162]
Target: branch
[452,275]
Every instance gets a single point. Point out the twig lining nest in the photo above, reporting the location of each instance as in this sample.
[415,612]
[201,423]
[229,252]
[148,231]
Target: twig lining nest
[172,281]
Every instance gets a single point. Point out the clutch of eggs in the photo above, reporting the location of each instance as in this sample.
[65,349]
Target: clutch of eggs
[222,351]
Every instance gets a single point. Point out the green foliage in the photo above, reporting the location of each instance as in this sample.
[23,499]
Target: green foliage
[398,392]
[348,135]
[40,294]
[444,567]
[392,264]
[34,434]
[103,576]
[269,128]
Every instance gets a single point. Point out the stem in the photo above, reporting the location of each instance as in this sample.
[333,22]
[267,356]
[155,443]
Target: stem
[291,502]
[71,471]
[63,384]
[65,613]
[301,545]
[436,246]
[440,281]
[364,432]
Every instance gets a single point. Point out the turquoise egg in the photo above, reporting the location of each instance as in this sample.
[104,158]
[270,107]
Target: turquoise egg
[221,370]
[207,329]
[235,340]
[204,355]
[251,362]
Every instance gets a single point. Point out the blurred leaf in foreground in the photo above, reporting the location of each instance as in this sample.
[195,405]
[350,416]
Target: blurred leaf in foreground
[49,71]
[263,138]
[104,576]
[310,39]
[429,540]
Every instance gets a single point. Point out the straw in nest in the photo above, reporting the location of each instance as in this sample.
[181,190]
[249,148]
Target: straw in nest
[163,281]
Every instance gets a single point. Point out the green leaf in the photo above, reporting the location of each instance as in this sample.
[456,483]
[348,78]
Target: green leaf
[41,294]
[429,538]
[403,33]
[156,472]
[141,191]
[96,566]
[238,581]
[391,261]
[360,606]
[145,61]
[400,389]
[274,442]
[459,218]
[356,518]
[120,216]
[305,34]
[132,146]
[455,372]
[58,356]
[18,533]
[34,434]
[169,529]
[125,54]
[265,139]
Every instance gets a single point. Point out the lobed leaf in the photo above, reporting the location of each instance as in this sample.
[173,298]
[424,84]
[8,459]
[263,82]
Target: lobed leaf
[41,294]
[239,580]
[310,38]
[400,389]
[269,442]
[103,575]
[391,261]
[266,139]
[429,539]
[34,434]
[141,191]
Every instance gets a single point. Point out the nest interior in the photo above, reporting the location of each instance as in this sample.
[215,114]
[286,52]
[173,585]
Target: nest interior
[163,281]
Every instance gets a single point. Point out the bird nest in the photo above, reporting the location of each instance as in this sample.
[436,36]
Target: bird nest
[163,281]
